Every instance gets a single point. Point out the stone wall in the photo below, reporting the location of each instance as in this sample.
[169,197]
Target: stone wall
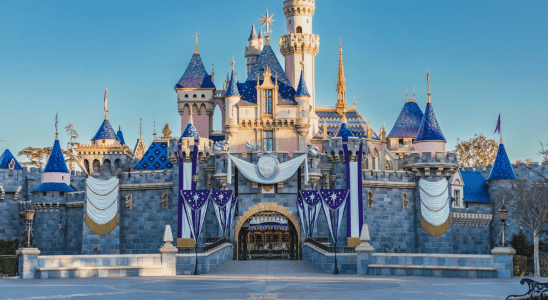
[207,262]
[346,262]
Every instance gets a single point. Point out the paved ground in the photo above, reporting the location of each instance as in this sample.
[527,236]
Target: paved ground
[264,280]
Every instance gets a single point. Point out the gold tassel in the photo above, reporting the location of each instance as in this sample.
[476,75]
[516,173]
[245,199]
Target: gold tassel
[102,229]
[435,230]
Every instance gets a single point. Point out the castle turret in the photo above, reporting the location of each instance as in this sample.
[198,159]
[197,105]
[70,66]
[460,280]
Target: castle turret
[8,161]
[405,130]
[344,130]
[253,50]
[232,98]
[195,90]
[502,168]
[55,176]
[302,96]
[120,136]
[429,137]
[300,44]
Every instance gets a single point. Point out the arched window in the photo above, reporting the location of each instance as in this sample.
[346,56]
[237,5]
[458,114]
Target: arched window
[86,165]
[96,167]
[194,96]
[299,29]
[203,96]
[186,96]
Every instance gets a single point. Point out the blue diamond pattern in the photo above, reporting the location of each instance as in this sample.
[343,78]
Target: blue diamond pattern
[120,136]
[232,89]
[105,132]
[155,158]
[355,123]
[190,132]
[195,75]
[302,90]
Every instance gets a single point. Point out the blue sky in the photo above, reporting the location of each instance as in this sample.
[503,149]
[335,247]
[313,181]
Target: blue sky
[484,57]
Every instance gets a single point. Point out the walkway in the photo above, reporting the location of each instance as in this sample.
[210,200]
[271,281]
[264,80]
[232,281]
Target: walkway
[267,268]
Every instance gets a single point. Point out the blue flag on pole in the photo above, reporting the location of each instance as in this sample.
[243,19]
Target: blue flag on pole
[498,126]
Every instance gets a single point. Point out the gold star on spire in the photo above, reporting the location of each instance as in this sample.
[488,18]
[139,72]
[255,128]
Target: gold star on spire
[267,21]
[196,36]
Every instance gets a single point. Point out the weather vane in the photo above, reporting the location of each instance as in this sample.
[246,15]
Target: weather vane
[267,21]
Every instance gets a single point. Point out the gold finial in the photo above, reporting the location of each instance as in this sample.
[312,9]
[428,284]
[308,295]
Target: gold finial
[190,118]
[140,128]
[344,120]
[324,129]
[383,132]
[414,98]
[406,95]
[56,126]
[369,131]
[196,36]
[267,21]
[501,142]
[167,132]
[341,85]
[154,132]
[355,103]
[106,103]
[428,85]
[232,63]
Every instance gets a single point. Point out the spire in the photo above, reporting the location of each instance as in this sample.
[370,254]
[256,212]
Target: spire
[190,130]
[355,102]
[253,35]
[196,36]
[302,90]
[120,135]
[261,34]
[429,129]
[341,85]
[140,128]
[324,129]
[502,168]
[154,132]
[428,85]
[232,88]
[267,21]
[106,103]
[190,117]
[344,130]
[56,127]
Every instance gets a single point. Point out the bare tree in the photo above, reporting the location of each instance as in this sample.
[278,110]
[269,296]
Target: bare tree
[526,162]
[69,153]
[476,152]
[37,157]
[544,152]
[528,202]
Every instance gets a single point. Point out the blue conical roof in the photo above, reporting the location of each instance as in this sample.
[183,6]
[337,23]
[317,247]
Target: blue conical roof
[6,158]
[232,89]
[408,123]
[56,161]
[253,35]
[105,132]
[260,33]
[502,168]
[155,158]
[301,89]
[195,75]
[120,136]
[429,129]
[190,131]
[267,58]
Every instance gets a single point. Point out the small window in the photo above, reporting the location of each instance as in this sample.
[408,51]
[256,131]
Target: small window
[268,140]
[307,21]
[267,101]
[44,194]
[186,96]
[401,142]
[457,198]
[11,165]
[103,141]
[299,29]
[203,96]
[62,177]
[61,194]
[194,96]
[289,21]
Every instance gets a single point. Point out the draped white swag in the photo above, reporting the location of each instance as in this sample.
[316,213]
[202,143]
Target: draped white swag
[102,204]
[285,170]
[435,217]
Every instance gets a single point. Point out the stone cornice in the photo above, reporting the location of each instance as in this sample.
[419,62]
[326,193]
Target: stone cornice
[146,186]
[75,204]
[471,219]
[389,184]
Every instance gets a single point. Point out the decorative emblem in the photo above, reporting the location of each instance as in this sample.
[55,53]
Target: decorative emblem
[267,166]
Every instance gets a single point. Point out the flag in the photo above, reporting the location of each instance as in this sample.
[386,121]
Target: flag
[498,126]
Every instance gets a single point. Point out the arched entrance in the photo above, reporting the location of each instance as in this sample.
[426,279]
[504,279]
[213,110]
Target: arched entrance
[262,231]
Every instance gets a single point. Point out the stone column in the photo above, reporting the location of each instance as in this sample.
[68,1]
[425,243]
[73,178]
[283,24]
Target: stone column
[365,251]
[504,261]
[28,262]
[168,252]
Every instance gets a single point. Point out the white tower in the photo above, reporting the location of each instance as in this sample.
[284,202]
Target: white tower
[299,44]
[253,50]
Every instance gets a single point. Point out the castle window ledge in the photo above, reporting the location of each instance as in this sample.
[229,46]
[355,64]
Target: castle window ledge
[146,186]
[75,204]
[389,184]
[471,219]
[139,172]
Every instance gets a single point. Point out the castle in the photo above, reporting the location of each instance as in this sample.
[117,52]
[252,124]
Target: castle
[270,120]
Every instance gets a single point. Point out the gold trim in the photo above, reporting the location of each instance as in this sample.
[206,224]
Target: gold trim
[435,230]
[185,243]
[353,242]
[104,194]
[89,201]
[435,210]
[102,229]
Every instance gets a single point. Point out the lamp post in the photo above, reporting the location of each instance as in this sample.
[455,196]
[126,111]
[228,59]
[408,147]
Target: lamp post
[29,216]
[503,215]
[195,179]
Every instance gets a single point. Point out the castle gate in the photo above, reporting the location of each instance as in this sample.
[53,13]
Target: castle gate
[267,230]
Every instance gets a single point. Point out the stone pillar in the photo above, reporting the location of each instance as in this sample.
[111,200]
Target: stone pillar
[28,262]
[504,261]
[168,252]
[364,250]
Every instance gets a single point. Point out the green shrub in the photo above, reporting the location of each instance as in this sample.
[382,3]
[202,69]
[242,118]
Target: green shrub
[519,242]
[8,265]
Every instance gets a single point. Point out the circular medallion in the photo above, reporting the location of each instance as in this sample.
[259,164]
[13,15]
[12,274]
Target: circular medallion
[267,166]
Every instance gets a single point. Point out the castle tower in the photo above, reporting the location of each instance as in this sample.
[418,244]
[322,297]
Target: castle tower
[300,44]
[302,96]
[429,137]
[253,50]
[341,86]
[195,90]
[404,132]
[231,111]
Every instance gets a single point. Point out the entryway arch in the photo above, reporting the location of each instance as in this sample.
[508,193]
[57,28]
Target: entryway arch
[265,207]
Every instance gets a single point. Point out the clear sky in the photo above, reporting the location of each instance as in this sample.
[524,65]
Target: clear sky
[484,57]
